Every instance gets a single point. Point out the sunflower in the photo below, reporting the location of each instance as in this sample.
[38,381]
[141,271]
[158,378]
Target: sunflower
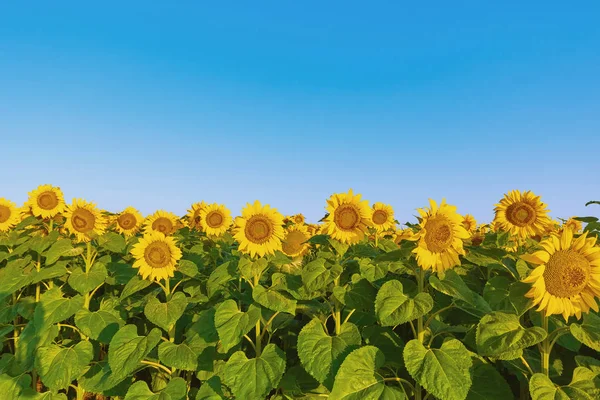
[9,215]
[469,223]
[215,219]
[46,201]
[128,221]
[161,221]
[293,244]
[348,217]
[84,220]
[440,237]
[522,214]
[298,219]
[479,234]
[259,230]
[567,279]
[156,256]
[574,225]
[404,234]
[382,217]
[193,215]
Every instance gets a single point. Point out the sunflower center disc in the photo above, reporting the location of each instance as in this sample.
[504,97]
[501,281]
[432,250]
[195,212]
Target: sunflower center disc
[47,200]
[214,219]
[379,217]
[520,214]
[293,242]
[83,220]
[157,255]
[4,213]
[438,234]
[567,273]
[163,225]
[346,217]
[126,221]
[258,229]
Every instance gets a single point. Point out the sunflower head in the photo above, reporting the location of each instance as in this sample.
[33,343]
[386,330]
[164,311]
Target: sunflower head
[298,219]
[215,219]
[128,221]
[567,277]
[440,238]
[382,217]
[193,215]
[522,214]
[259,230]
[46,201]
[84,220]
[161,221]
[348,217]
[10,215]
[573,224]
[156,256]
[404,234]
[294,241]
[469,223]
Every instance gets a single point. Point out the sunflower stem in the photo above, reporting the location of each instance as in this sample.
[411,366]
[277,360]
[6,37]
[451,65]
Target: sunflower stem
[545,348]
[38,268]
[420,331]
[258,344]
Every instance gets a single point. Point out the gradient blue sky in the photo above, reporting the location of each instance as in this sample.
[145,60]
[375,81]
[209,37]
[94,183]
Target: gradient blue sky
[158,105]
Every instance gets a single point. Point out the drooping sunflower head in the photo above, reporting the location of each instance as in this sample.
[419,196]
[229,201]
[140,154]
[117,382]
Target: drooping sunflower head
[46,201]
[259,230]
[567,278]
[382,217]
[9,215]
[161,221]
[522,214]
[440,238]
[293,244]
[469,223]
[215,219]
[156,256]
[128,222]
[193,215]
[348,219]
[84,220]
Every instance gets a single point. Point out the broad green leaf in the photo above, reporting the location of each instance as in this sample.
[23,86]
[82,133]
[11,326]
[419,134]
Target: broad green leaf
[232,324]
[187,268]
[99,325]
[59,366]
[273,300]
[176,389]
[135,284]
[453,286]
[584,385]
[112,241]
[56,271]
[253,379]
[101,379]
[219,278]
[84,282]
[360,295]
[386,340]
[127,349]
[16,388]
[322,354]
[41,243]
[13,278]
[358,378]
[588,362]
[501,335]
[588,332]
[54,308]
[393,307]
[165,315]
[181,356]
[251,268]
[517,297]
[496,294]
[488,383]
[372,271]
[61,248]
[443,372]
[29,340]
[315,276]
[211,390]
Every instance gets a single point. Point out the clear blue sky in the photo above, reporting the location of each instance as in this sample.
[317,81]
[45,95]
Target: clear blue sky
[158,106]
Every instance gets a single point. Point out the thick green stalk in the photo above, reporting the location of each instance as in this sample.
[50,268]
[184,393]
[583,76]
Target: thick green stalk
[420,331]
[258,344]
[545,348]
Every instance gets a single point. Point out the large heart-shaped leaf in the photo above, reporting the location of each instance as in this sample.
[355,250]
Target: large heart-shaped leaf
[232,324]
[588,332]
[165,315]
[393,307]
[59,366]
[127,349]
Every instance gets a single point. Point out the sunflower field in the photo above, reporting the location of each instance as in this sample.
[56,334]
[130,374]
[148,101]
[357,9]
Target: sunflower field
[101,305]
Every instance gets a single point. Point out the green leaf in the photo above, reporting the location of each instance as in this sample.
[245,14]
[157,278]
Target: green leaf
[315,276]
[517,297]
[321,354]
[59,366]
[588,332]
[165,315]
[273,300]
[55,271]
[29,340]
[501,335]
[13,279]
[372,271]
[253,379]
[112,241]
[358,378]
[61,248]
[176,389]
[232,324]
[135,284]
[99,325]
[443,372]
[488,383]
[393,307]
[584,385]
[41,243]
[54,308]
[16,388]
[218,279]
[187,268]
[211,390]
[453,286]
[249,268]
[84,282]
[127,349]
[181,356]
[386,340]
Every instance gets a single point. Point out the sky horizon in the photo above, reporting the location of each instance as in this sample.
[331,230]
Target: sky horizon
[159,106]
